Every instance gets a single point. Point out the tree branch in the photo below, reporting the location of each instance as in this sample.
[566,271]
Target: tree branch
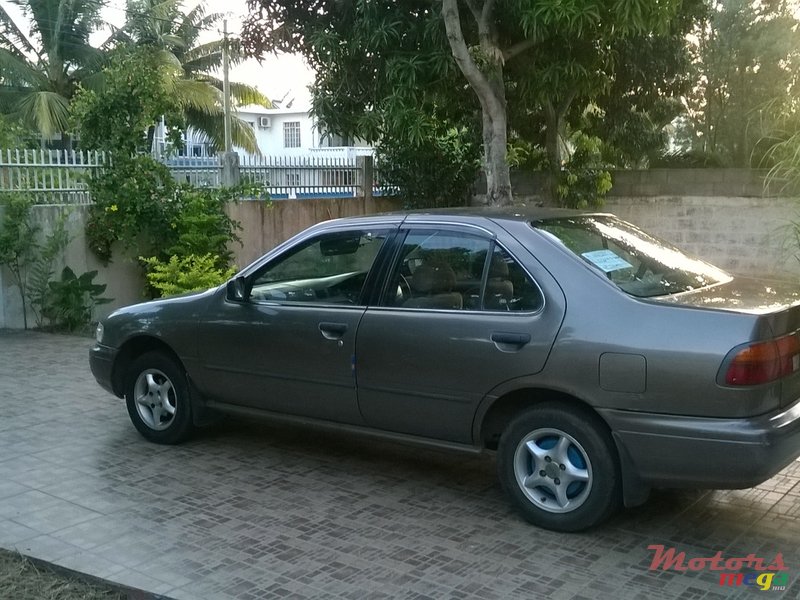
[518,49]
[564,106]
[477,80]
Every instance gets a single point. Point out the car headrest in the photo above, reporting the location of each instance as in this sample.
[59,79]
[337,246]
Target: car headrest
[498,268]
[433,279]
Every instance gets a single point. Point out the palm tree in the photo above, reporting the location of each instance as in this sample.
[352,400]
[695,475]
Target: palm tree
[162,24]
[40,73]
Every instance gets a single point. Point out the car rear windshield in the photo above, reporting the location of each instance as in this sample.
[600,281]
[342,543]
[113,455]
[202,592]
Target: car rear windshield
[636,262]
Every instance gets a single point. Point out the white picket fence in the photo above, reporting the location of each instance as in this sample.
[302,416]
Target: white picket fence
[60,177]
[52,176]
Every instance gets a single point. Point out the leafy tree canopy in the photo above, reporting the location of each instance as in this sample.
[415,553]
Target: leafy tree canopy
[40,72]
[747,58]
[174,37]
[382,65]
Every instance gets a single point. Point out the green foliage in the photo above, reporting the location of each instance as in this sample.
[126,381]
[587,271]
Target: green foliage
[139,206]
[172,38]
[201,226]
[435,172]
[13,135]
[185,274]
[747,59]
[43,268]
[584,180]
[137,203]
[18,246]
[689,159]
[386,69]
[40,70]
[133,98]
[31,261]
[72,299]
[133,205]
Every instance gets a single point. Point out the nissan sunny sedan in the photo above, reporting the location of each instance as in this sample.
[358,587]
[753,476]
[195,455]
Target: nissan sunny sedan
[596,360]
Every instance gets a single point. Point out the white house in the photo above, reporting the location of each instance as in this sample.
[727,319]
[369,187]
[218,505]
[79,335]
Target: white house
[285,132]
[293,132]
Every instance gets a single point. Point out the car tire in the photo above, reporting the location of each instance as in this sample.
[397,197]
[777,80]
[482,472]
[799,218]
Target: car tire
[559,467]
[157,397]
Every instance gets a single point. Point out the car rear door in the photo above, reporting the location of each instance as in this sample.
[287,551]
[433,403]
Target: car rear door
[460,315]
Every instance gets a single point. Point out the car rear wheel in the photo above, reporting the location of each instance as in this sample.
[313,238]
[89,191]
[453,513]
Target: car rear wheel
[559,467]
[157,397]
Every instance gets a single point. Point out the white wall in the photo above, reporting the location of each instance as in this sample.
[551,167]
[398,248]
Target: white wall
[271,140]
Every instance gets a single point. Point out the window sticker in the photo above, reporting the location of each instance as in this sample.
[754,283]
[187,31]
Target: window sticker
[606,260]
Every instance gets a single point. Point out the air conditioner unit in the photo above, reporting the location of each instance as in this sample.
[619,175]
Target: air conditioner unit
[265,122]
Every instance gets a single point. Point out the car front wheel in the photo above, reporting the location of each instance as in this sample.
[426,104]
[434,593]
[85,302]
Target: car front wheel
[157,397]
[558,465]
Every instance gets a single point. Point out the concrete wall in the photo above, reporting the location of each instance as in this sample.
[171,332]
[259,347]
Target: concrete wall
[749,236]
[264,226]
[122,276]
[652,183]
[728,217]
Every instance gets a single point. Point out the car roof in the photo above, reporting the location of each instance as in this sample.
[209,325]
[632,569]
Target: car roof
[518,212]
[475,215]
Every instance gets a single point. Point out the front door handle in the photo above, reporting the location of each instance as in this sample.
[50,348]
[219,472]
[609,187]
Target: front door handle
[510,339]
[332,331]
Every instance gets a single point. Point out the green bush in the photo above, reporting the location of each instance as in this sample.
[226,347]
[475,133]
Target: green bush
[584,180]
[185,274]
[436,171]
[71,301]
[133,204]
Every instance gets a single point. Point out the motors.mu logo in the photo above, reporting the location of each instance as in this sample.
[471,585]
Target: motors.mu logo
[762,574]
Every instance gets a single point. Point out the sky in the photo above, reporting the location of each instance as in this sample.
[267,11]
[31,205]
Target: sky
[276,76]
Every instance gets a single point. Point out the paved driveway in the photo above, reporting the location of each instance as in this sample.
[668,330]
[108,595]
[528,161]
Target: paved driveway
[252,511]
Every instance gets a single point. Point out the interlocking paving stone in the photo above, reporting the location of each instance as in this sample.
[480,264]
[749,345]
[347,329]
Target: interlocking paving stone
[252,511]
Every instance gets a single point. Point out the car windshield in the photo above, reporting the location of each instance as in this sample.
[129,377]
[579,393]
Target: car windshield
[636,262]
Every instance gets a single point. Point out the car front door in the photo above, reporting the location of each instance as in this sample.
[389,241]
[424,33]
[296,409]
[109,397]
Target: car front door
[461,315]
[289,346]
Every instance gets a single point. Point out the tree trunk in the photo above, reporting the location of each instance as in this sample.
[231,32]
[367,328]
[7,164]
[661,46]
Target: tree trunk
[490,89]
[554,123]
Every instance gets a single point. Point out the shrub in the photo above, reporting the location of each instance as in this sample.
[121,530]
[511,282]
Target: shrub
[185,274]
[71,300]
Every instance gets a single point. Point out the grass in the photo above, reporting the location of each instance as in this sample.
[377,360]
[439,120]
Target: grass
[23,579]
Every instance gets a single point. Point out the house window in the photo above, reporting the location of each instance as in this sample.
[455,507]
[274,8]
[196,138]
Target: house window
[293,179]
[291,134]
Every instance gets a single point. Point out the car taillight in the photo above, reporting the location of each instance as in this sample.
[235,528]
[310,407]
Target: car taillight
[763,362]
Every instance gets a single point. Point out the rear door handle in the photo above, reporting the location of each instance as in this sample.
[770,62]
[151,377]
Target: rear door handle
[513,339]
[332,331]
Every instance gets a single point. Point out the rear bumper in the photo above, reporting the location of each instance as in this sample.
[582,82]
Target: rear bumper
[679,451]
[101,362]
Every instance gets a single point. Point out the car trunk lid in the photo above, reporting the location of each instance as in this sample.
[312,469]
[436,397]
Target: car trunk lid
[774,304]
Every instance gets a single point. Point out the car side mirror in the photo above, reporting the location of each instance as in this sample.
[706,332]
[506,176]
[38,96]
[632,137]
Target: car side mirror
[237,290]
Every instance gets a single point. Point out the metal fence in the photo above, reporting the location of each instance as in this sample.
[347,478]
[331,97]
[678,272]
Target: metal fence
[200,172]
[52,176]
[60,177]
[304,177]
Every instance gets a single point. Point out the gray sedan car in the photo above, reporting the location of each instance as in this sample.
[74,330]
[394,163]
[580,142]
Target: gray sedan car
[596,360]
